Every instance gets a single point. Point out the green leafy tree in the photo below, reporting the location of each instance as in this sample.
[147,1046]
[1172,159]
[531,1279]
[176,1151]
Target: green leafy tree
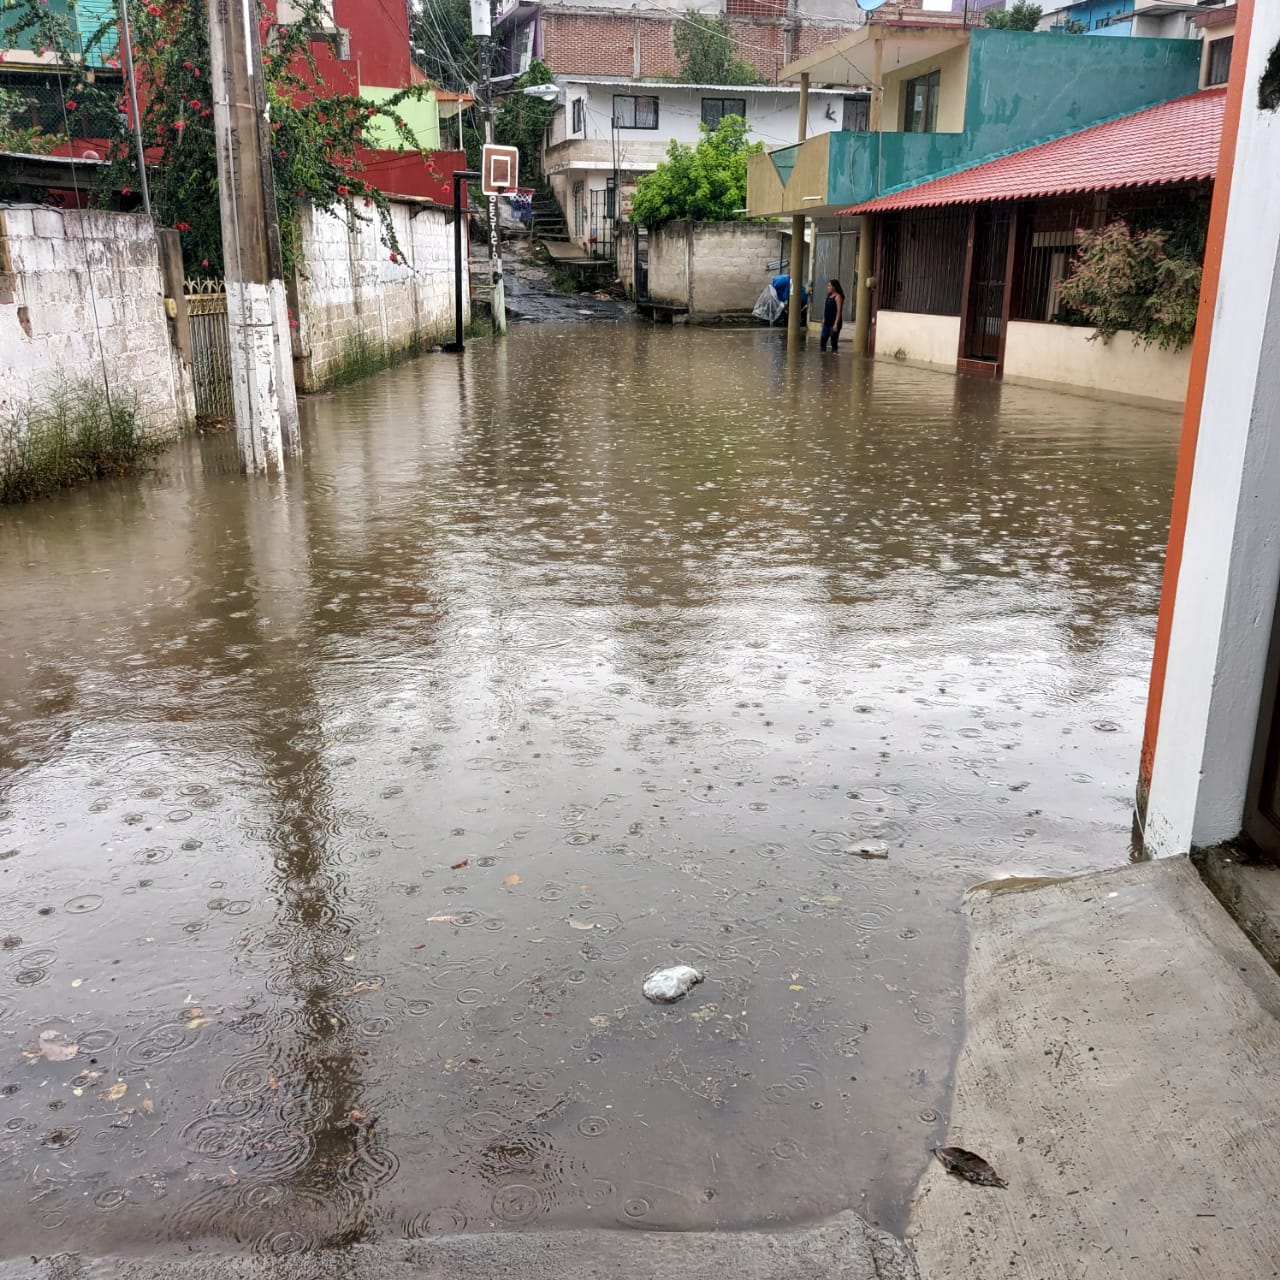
[704,46]
[707,182]
[1021,16]
[521,120]
[315,132]
[1127,280]
[442,43]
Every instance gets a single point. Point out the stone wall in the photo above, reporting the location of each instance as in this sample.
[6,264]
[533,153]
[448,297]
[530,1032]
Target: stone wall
[80,293]
[712,269]
[355,302]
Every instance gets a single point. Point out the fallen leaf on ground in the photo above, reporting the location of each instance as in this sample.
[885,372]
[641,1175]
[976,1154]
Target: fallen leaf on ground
[972,1168]
[117,1091]
[457,866]
[371,984]
[148,1106]
[54,1048]
[511,881]
[441,920]
[796,986]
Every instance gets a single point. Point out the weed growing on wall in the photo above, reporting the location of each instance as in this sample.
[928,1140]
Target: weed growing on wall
[315,127]
[73,433]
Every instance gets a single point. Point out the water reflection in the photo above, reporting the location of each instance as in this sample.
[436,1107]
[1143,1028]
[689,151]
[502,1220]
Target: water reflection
[341,816]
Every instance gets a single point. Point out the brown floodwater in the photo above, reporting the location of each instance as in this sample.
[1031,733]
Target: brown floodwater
[342,815]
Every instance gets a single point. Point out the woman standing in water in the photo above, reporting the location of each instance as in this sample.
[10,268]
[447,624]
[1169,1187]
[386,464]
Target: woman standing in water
[832,315]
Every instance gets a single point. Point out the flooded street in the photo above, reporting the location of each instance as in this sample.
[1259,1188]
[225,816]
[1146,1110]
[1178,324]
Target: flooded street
[342,816]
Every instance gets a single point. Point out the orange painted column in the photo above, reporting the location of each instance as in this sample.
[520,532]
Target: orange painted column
[1195,393]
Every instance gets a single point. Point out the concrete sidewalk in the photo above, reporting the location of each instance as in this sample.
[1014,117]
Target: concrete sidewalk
[1121,1069]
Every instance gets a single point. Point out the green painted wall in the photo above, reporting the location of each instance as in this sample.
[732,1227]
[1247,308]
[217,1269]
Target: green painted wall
[1024,87]
[86,16]
[422,115]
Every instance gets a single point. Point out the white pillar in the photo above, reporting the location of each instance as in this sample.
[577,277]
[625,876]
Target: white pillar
[1226,592]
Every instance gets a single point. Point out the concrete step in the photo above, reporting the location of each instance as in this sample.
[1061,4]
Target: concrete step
[1120,1070]
[845,1248]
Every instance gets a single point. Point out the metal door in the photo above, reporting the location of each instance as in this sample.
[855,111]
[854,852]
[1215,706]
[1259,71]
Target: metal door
[986,284]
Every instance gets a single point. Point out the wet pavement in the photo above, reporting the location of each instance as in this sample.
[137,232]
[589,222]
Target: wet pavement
[531,294]
[342,816]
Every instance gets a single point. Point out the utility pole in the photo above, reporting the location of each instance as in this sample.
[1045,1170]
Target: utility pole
[796,269]
[126,44]
[262,385]
[482,30]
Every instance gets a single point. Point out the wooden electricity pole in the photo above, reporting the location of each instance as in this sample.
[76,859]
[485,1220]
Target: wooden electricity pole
[263,393]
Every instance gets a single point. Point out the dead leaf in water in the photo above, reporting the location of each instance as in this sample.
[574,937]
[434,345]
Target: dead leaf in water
[457,866]
[148,1106]
[511,881]
[53,1047]
[972,1168]
[361,988]
[117,1091]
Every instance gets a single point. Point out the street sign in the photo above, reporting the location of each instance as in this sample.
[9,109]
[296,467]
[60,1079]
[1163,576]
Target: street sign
[499,170]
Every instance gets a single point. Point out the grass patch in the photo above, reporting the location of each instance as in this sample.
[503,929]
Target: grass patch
[361,356]
[563,280]
[73,434]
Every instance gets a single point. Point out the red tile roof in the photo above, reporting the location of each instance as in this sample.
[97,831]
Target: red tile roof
[1174,142]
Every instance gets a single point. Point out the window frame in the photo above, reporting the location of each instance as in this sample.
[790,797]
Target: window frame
[927,121]
[722,102]
[578,117]
[1213,49]
[635,99]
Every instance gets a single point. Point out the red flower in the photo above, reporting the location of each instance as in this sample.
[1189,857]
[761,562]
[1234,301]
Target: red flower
[182,226]
[126,191]
[395,257]
[71,106]
[204,262]
[195,104]
[344,190]
[153,10]
[179,125]
[190,66]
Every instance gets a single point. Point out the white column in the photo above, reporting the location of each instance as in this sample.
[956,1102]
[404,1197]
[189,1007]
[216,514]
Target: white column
[1226,594]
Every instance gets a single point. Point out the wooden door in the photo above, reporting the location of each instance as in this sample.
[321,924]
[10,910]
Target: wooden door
[986,284]
[1262,812]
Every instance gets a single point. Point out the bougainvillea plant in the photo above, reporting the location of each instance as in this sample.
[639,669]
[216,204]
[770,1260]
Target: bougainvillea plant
[315,131]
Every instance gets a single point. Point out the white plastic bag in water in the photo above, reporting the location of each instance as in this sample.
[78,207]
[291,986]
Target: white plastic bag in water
[767,307]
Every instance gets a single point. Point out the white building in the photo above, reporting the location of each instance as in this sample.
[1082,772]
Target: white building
[608,133]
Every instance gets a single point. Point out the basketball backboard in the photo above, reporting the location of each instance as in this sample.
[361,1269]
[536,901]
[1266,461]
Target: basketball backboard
[499,170]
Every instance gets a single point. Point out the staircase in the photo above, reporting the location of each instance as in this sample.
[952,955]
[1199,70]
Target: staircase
[548,219]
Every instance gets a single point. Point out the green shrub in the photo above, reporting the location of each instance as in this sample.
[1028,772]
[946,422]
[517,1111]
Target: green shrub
[707,183]
[1129,280]
[76,432]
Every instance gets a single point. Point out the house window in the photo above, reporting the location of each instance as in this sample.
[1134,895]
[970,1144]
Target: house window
[920,103]
[856,117]
[579,114]
[631,111]
[715,109]
[1219,57]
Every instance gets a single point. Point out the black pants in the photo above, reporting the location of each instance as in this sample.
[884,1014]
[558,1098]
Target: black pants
[831,332]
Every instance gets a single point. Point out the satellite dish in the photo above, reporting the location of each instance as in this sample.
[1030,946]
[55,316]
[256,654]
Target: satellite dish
[869,5]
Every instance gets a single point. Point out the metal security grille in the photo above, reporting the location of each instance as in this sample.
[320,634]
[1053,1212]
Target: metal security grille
[210,349]
[602,221]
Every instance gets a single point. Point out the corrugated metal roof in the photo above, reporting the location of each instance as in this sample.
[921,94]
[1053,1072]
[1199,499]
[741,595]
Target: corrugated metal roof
[1174,142]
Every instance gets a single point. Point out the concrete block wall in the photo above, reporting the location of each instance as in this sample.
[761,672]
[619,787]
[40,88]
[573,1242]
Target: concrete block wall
[350,290]
[625,246]
[80,291]
[713,269]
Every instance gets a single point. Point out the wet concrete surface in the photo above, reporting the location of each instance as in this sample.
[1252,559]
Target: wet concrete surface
[343,814]
[532,296]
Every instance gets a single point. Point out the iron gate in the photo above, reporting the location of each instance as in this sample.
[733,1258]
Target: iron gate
[602,220]
[210,349]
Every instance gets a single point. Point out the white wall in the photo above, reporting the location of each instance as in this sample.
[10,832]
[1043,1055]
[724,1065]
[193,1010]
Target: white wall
[82,290]
[904,335]
[350,288]
[1070,354]
[713,269]
[1226,588]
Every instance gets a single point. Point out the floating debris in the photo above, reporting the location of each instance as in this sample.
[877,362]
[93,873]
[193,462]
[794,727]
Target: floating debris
[972,1168]
[868,849]
[664,986]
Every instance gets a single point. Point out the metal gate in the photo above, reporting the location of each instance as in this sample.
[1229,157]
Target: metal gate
[602,219]
[210,349]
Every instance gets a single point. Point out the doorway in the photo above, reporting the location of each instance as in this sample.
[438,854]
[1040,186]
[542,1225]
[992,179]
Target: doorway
[985,327]
[1262,809]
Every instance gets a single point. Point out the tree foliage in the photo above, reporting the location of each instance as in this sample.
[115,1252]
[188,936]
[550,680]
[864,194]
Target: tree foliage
[1019,16]
[1129,280]
[704,46]
[29,139]
[315,130]
[443,44]
[521,120]
[707,182]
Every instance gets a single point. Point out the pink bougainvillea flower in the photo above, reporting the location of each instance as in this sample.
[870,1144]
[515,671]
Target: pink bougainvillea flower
[204,262]
[343,190]
[71,106]
[153,10]
[182,226]
[195,104]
